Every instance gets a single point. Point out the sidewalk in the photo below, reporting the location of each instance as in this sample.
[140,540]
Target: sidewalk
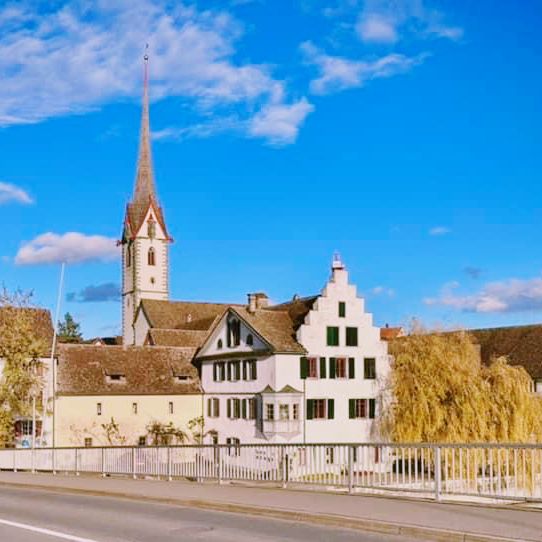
[421,519]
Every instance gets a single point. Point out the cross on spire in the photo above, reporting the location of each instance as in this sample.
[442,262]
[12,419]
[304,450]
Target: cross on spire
[144,185]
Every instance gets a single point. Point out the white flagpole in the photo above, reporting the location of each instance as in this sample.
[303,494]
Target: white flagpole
[53,348]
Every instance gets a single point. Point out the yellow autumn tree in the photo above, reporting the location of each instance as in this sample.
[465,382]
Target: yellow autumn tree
[440,392]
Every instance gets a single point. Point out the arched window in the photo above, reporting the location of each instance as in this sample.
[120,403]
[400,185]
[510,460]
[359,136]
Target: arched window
[128,256]
[250,340]
[219,344]
[151,260]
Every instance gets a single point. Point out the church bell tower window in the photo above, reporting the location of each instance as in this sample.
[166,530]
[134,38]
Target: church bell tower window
[151,257]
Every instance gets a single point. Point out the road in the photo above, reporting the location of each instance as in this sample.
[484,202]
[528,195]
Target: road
[28,515]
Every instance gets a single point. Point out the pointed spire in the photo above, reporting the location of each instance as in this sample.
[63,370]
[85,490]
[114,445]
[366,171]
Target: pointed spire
[144,186]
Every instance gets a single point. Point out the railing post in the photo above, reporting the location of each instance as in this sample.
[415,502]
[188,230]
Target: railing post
[134,475]
[14,460]
[33,460]
[350,470]
[103,462]
[169,475]
[438,471]
[218,457]
[284,469]
[76,461]
[53,453]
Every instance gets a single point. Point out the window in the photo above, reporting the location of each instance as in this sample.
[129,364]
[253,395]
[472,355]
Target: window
[88,442]
[151,258]
[351,368]
[170,407]
[219,344]
[369,370]
[295,411]
[313,368]
[252,405]
[351,336]
[320,409]
[152,280]
[332,336]
[357,408]
[219,371]
[142,441]
[213,407]
[372,408]
[234,408]
[250,340]
[99,409]
[284,412]
[234,443]
[134,408]
[270,411]
[234,332]
[340,367]
[234,371]
[115,378]
[342,309]
[249,370]
[129,255]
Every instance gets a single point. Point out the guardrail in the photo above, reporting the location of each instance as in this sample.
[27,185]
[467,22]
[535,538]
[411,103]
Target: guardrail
[512,472]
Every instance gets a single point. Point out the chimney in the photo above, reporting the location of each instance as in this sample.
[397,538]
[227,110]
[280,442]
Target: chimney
[252,303]
[257,301]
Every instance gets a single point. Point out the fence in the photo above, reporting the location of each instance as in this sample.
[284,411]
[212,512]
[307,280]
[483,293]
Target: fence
[496,471]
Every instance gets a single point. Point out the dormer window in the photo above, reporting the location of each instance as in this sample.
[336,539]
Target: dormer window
[151,257]
[115,378]
[182,378]
[234,332]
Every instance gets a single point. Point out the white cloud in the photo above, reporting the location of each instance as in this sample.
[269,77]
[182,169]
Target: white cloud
[381,21]
[72,247]
[280,123]
[382,290]
[77,56]
[10,192]
[439,230]
[512,295]
[375,28]
[338,73]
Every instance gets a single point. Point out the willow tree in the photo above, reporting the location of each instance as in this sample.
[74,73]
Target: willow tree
[440,392]
[20,349]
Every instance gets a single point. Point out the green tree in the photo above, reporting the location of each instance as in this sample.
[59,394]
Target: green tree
[20,349]
[69,330]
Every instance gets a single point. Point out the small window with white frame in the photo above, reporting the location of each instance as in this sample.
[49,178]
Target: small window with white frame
[270,411]
[284,412]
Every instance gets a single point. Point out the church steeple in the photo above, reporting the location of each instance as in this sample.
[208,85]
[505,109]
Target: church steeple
[145,240]
[144,186]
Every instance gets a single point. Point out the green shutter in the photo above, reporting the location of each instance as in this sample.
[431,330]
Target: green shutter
[351,368]
[244,408]
[228,403]
[332,336]
[372,408]
[245,370]
[253,370]
[217,412]
[330,409]
[308,414]
[342,309]
[351,408]
[332,367]
[304,367]
[322,367]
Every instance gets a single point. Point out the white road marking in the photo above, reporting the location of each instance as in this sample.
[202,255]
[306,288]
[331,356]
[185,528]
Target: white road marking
[57,534]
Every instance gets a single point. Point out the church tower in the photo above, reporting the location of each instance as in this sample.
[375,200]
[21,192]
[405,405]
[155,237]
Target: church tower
[145,239]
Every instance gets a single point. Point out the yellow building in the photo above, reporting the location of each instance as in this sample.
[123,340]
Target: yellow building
[113,395]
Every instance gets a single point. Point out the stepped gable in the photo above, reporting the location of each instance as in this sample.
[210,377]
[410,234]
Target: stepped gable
[84,370]
[522,345]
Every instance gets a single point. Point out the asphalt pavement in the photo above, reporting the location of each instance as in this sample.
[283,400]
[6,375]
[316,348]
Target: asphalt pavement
[29,515]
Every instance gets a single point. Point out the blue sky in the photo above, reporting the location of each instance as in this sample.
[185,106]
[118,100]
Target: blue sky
[404,134]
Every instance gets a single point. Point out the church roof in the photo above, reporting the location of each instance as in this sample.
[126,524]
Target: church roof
[144,190]
[83,370]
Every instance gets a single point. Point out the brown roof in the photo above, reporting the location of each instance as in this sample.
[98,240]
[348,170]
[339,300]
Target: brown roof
[522,345]
[390,333]
[41,324]
[83,370]
[275,327]
[182,314]
[176,337]
[297,309]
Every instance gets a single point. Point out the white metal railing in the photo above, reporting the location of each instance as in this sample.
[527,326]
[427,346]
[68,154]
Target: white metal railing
[497,471]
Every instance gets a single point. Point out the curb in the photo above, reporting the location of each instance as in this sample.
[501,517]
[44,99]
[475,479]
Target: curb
[330,520]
